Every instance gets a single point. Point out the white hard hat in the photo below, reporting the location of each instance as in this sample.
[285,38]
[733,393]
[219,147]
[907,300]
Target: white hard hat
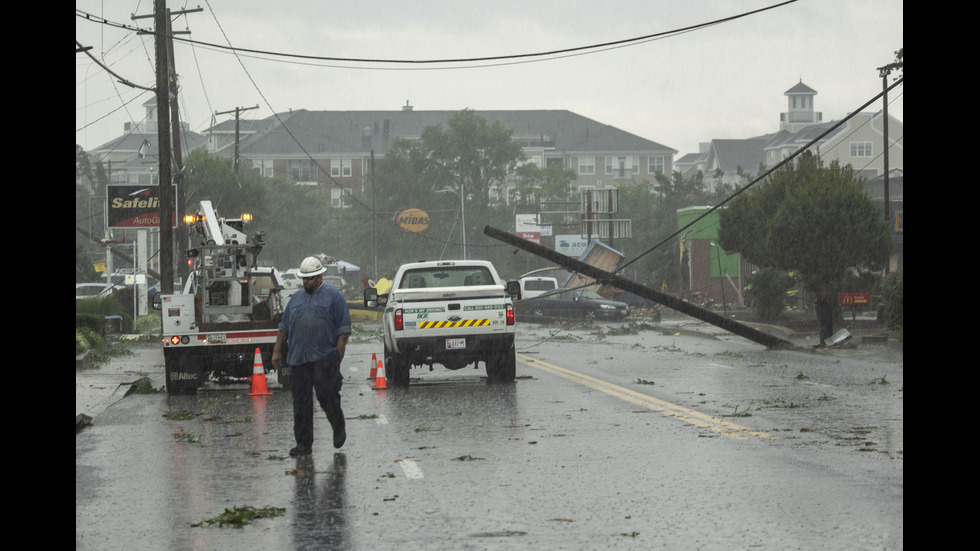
[311,267]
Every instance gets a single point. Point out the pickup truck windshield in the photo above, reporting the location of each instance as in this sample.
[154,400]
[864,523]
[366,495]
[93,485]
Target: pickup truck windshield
[448,276]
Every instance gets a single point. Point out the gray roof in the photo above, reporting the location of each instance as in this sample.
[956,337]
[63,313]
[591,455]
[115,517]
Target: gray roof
[245,126]
[875,187]
[748,153]
[128,146]
[346,132]
[800,88]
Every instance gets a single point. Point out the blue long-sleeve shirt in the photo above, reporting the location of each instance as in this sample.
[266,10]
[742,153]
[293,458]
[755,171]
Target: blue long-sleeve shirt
[312,323]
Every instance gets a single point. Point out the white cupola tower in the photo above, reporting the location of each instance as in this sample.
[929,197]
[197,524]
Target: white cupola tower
[800,114]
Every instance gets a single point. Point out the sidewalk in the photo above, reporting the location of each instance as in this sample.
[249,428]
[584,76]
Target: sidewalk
[98,388]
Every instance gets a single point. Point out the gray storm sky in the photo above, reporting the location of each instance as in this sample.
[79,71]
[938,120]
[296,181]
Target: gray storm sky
[723,81]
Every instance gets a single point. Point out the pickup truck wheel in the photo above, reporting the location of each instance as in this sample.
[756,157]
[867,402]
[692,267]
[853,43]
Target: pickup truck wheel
[396,371]
[183,373]
[502,368]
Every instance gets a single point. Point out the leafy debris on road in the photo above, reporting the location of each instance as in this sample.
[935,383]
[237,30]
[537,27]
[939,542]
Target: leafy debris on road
[144,386]
[179,415]
[188,436]
[237,517]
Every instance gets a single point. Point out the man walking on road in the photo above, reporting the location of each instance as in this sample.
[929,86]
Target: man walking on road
[314,331]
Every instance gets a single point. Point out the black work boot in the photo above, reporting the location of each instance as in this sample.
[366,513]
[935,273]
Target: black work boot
[301,449]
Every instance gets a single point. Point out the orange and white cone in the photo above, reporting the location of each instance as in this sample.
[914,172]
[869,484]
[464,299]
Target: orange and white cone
[259,387]
[374,367]
[380,383]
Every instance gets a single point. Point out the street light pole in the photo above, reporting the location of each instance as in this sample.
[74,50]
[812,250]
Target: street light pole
[462,212]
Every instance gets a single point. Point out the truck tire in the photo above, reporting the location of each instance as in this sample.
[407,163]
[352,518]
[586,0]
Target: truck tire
[502,367]
[182,370]
[396,370]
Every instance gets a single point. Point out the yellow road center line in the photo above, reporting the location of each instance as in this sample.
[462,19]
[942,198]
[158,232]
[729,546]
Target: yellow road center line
[672,410]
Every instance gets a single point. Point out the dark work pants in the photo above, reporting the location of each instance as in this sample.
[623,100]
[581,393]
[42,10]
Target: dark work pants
[322,376]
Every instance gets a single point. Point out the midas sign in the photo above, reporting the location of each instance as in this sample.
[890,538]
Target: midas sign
[412,220]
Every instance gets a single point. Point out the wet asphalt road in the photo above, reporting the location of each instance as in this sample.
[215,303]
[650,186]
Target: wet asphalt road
[683,437]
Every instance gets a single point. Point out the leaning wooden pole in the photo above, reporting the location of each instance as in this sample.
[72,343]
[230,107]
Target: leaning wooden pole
[673,303]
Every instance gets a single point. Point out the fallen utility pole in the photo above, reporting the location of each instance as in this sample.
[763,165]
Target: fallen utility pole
[673,303]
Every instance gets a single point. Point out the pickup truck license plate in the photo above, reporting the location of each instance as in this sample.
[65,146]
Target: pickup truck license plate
[455,344]
[216,338]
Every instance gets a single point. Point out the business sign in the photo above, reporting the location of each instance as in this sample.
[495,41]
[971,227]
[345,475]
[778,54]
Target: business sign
[855,299]
[526,222]
[135,207]
[532,236]
[412,220]
[571,245]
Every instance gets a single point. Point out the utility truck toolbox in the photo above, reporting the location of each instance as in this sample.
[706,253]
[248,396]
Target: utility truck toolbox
[452,313]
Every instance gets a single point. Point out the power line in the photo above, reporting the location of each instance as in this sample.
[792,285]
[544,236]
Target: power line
[509,57]
[763,176]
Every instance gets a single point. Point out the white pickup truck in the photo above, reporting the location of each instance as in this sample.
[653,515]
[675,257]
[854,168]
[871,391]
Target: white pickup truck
[453,313]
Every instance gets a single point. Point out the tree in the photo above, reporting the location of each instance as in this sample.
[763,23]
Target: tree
[294,218]
[90,188]
[535,184]
[214,179]
[476,157]
[673,192]
[817,221]
[470,157]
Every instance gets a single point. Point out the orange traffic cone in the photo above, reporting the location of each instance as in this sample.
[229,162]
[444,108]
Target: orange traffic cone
[380,383]
[258,377]
[374,367]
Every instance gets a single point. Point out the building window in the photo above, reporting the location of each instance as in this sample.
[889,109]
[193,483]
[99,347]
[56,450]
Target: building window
[622,166]
[340,168]
[301,170]
[340,198]
[861,149]
[586,165]
[263,167]
[655,164]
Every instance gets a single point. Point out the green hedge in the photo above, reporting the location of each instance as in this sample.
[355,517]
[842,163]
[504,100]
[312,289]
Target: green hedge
[88,339]
[91,312]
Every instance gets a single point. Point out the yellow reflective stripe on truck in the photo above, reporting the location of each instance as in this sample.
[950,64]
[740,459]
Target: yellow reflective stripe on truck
[461,323]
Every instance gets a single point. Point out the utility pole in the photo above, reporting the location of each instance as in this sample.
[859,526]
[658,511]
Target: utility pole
[180,179]
[883,72]
[163,138]
[166,104]
[237,111]
[374,220]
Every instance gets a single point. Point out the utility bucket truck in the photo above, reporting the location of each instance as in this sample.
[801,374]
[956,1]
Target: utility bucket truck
[228,308]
